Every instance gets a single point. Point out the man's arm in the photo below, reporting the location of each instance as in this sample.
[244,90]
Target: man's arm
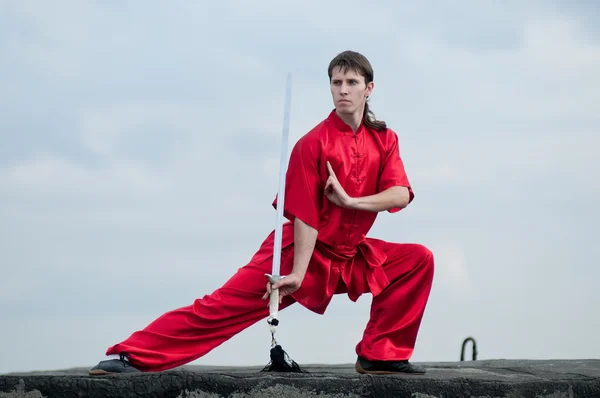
[392,199]
[396,197]
[305,238]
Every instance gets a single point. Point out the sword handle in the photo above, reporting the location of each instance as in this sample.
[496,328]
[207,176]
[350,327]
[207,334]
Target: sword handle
[273,300]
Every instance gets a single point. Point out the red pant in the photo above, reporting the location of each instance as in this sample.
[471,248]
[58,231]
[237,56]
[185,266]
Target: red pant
[186,334]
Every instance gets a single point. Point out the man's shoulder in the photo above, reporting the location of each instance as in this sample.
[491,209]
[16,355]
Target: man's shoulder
[316,133]
[386,136]
[386,132]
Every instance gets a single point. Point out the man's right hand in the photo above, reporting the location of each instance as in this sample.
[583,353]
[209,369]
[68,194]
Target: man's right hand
[287,285]
[305,238]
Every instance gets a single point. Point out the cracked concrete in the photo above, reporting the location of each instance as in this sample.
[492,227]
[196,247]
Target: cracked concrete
[487,378]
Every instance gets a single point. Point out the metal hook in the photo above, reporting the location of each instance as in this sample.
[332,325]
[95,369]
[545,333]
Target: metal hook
[464,344]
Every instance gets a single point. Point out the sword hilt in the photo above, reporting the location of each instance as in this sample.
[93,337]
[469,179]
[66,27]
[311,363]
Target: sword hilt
[273,302]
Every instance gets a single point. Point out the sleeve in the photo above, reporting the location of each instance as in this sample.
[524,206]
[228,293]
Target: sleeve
[303,186]
[392,170]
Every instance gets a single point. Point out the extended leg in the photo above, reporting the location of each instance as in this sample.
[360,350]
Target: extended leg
[396,312]
[185,334]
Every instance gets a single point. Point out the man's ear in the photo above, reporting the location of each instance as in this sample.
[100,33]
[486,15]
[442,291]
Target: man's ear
[369,89]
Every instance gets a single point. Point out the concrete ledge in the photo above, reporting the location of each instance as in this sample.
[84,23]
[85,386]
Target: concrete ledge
[487,378]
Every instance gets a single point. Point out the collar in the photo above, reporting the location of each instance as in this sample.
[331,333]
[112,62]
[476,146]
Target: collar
[342,126]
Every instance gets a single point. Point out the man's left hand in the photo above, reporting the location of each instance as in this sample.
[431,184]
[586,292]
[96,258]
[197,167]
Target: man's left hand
[334,191]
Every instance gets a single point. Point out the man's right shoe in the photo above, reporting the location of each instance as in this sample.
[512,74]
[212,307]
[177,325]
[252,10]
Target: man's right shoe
[111,366]
[387,367]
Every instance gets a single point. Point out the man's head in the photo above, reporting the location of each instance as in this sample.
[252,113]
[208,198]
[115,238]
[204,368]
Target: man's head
[351,83]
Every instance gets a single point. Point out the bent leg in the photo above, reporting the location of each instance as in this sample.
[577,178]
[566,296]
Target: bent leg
[397,311]
[186,334]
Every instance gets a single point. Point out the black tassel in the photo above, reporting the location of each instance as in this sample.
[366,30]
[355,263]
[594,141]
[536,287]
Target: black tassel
[281,362]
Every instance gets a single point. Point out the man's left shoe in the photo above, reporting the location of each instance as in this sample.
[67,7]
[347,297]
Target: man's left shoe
[111,366]
[387,367]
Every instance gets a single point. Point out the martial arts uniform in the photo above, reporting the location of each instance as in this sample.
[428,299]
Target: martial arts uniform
[344,260]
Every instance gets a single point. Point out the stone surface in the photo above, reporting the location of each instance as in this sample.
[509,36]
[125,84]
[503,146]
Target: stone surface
[485,378]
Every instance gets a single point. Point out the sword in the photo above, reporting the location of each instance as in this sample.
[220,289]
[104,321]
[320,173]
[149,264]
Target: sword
[272,320]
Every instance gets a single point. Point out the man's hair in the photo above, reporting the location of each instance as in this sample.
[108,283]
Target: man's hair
[361,65]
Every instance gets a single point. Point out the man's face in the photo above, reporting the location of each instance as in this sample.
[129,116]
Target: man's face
[349,90]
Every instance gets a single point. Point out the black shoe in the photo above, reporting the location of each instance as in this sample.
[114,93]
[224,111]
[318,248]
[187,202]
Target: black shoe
[387,367]
[111,366]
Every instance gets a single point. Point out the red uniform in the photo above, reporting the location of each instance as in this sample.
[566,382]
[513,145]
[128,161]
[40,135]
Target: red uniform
[344,260]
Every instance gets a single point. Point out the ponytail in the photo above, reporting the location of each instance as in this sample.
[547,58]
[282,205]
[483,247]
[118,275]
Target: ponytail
[370,121]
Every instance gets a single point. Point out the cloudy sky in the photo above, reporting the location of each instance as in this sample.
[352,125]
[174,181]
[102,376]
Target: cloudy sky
[140,151]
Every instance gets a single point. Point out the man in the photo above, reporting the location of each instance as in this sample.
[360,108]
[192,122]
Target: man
[341,174]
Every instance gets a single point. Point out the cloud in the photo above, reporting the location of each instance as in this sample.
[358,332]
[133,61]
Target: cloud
[48,174]
[452,270]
